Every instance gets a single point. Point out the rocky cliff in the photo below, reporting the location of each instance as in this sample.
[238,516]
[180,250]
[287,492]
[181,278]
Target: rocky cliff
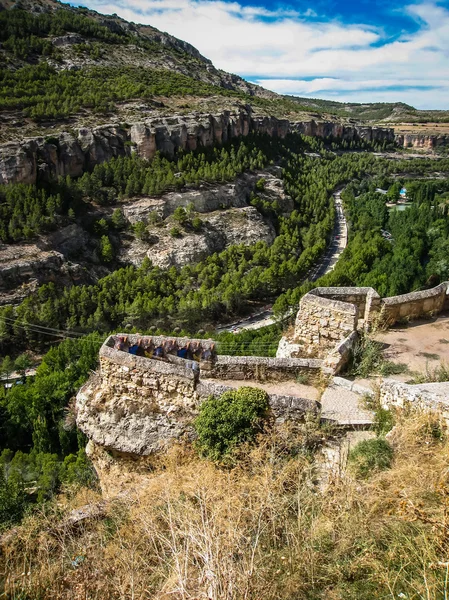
[44,159]
[422,140]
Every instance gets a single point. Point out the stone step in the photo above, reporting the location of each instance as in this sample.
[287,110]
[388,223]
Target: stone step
[344,407]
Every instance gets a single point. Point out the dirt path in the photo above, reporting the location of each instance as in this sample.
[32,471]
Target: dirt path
[421,345]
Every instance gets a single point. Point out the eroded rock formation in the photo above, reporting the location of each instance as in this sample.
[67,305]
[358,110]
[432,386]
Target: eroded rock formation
[44,159]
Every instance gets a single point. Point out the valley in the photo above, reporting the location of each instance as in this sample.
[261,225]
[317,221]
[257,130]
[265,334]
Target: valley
[223,343]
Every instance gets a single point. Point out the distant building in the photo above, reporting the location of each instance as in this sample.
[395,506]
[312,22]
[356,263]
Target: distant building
[403,193]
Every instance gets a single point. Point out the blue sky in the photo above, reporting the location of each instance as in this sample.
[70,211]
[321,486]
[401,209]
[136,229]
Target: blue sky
[355,51]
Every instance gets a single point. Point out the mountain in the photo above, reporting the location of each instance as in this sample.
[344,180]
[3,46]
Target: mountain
[74,65]
[63,67]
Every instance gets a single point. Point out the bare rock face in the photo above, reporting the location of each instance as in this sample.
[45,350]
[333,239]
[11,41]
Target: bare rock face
[207,198]
[20,263]
[422,141]
[219,231]
[44,159]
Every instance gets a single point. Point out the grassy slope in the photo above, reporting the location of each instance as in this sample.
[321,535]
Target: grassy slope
[262,530]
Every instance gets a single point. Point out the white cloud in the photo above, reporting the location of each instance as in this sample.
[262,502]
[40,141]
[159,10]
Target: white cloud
[276,46]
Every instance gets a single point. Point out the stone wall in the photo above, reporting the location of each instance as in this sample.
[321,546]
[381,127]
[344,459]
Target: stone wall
[283,407]
[366,299]
[135,404]
[322,322]
[328,316]
[415,304]
[140,405]
[427,396]
[339,356]
[259,368]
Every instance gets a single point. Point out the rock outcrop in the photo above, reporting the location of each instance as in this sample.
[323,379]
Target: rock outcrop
[422,141]
[44,159]
[219,231]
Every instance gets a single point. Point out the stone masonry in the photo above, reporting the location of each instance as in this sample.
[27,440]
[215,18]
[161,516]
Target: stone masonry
[321,323]
[137,405]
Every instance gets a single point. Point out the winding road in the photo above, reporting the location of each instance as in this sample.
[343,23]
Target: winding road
[326,265]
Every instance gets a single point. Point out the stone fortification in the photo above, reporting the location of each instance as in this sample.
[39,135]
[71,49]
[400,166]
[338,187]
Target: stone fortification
[328,317]
[259,368]
[415,304]
[425,397]
[45,159]
[139,405]
[322,322]
[366,299]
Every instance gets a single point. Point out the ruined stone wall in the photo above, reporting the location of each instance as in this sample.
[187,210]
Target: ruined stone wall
[366,299]
[283,407]
[427,397]
[139,405]
[328,316]
[415,304]
[259,368]
[322,322]
[135,404]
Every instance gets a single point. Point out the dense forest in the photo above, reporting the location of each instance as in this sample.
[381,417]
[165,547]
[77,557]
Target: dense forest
[416,255]
[42,92]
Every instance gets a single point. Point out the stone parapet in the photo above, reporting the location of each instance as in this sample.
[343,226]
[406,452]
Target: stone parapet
[322,322]
[366,299]
[137,405]
[415,304]
[283,407]
[339,357]
[259,368]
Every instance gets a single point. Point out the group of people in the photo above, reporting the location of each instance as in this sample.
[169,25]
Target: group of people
[147,348]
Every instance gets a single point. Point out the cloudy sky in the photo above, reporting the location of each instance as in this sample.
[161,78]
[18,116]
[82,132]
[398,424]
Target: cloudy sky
[355,50]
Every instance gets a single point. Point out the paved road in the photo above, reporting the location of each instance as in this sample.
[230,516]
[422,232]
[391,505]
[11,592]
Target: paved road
[339,241]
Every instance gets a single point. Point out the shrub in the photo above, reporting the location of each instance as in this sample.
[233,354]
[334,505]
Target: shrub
[370,456]
[175,232]
[140,230]
[225,422]
[197,224]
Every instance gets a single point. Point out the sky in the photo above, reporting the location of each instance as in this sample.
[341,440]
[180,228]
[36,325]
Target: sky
[353,51]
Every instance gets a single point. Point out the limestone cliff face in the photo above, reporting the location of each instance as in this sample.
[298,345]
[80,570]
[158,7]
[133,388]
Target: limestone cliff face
[44,159]
[421,140]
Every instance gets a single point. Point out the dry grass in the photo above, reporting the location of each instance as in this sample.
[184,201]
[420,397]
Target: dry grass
[261,530]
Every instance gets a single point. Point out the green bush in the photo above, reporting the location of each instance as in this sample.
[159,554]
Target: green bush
[175,232]
[370,456]
[225,422]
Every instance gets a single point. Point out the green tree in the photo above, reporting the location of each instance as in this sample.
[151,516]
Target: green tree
[180,215]
[22,364]
[7,368]
[140,230]
[117,219]
[225,422]
[175,232]
[106,249]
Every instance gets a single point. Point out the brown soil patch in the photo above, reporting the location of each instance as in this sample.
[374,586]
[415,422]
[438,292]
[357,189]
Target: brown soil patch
[424,128]
[420,345]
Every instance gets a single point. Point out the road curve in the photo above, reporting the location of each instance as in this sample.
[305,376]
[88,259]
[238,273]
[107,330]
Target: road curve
[326,265]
